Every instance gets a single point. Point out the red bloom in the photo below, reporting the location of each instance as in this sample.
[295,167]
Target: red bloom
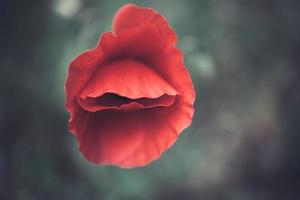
[131,96]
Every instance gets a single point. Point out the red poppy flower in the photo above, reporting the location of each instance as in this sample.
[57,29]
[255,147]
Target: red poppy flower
[131,96]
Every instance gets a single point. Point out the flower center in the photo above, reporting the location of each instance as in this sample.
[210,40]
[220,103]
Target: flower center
[117,102]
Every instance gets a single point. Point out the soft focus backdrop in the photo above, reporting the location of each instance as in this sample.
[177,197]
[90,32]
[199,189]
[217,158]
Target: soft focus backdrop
[244,143]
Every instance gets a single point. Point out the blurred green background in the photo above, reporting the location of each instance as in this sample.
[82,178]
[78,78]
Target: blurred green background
[244,142]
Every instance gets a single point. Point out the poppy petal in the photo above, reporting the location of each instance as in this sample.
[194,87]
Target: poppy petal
[131,139]
[128,78]
[131,16]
